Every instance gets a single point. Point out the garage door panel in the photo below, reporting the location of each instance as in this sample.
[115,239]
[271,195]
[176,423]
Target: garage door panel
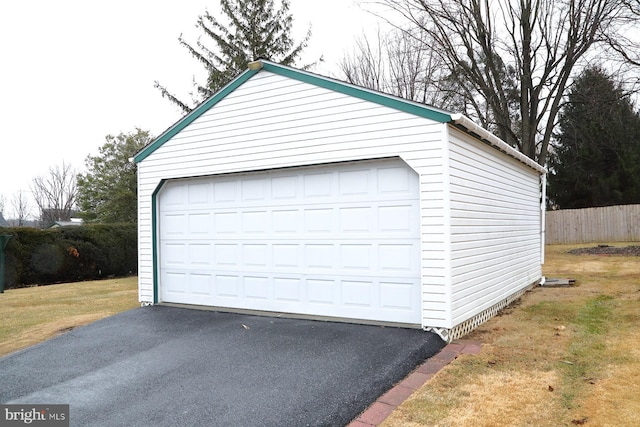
[397,295]
[228,286]
[174,224]
[285,188]
[318,220]
[256,255]
[364,299]
[175,254]
[199,223]
[198,194]
[357,293]
[225,193]
[225,223]
[396,257]
[174,282]
[201,284]
[200,254]
[253,189]
[254,222]
[287,289]
[286,221]
[317,186]
[173,197]
[226,255]
[355,183]
[256,287]
[319,256]
[356,257]
[321,291]
[395,181]
[336,241]
[398,218]
[286,255]
[359,219]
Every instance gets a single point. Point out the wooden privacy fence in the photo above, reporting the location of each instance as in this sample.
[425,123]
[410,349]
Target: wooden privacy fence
[593,225]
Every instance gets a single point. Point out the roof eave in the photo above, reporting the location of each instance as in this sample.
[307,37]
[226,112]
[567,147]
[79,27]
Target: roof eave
[473,128]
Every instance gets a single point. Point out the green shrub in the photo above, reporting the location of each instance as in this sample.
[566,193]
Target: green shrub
[69,254]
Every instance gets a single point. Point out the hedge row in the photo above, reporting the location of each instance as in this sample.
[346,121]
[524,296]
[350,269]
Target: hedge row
[69,254]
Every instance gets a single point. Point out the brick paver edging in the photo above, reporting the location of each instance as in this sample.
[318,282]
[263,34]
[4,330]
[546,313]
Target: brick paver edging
[388,402]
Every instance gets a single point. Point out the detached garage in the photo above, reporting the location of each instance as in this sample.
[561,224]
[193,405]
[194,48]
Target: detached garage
[294,193]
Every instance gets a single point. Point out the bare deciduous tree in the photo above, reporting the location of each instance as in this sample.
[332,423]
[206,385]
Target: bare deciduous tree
[365,66]
[21,208]
[400,63]
[514,60]
[55,194]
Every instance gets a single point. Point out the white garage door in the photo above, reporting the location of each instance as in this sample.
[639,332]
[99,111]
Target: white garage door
[339,240]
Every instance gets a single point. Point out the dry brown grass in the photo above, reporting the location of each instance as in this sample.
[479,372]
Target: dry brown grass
[32,315]
[558,357]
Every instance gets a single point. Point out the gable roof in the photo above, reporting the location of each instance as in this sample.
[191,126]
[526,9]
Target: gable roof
[72,223]
[391,101]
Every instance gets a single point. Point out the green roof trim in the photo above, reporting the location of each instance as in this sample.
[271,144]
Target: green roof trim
[193,115]
[303,76]
[362,93]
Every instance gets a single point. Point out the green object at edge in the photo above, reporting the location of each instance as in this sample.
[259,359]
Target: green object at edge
[4,238]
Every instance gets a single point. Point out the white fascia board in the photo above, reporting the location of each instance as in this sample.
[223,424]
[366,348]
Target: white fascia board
[471,127]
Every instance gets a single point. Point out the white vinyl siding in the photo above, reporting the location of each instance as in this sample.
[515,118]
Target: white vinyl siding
[495,226]
[272,122]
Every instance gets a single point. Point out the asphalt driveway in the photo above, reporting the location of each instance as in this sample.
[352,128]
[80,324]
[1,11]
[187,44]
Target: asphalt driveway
[166,366]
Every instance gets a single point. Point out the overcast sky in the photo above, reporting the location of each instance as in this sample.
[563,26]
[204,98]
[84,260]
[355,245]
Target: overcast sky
[74,71]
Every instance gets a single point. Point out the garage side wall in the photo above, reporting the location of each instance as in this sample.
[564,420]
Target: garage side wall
[495,226]
[272,121]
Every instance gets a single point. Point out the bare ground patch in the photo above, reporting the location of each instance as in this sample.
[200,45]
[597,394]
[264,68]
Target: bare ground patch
[607,250]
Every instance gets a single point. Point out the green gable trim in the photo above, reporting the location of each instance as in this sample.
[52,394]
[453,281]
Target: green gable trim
[378,98]
[193,115]
[316,80]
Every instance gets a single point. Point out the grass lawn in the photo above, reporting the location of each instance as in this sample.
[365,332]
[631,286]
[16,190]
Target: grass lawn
[557,357]
[31,315]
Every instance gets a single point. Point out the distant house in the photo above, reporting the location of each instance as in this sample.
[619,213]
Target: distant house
[291,192]
[74,223]
[3,222]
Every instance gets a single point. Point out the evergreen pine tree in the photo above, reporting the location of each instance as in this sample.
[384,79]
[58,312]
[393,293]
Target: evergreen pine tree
[107,192]
[597,153]
[255,30]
